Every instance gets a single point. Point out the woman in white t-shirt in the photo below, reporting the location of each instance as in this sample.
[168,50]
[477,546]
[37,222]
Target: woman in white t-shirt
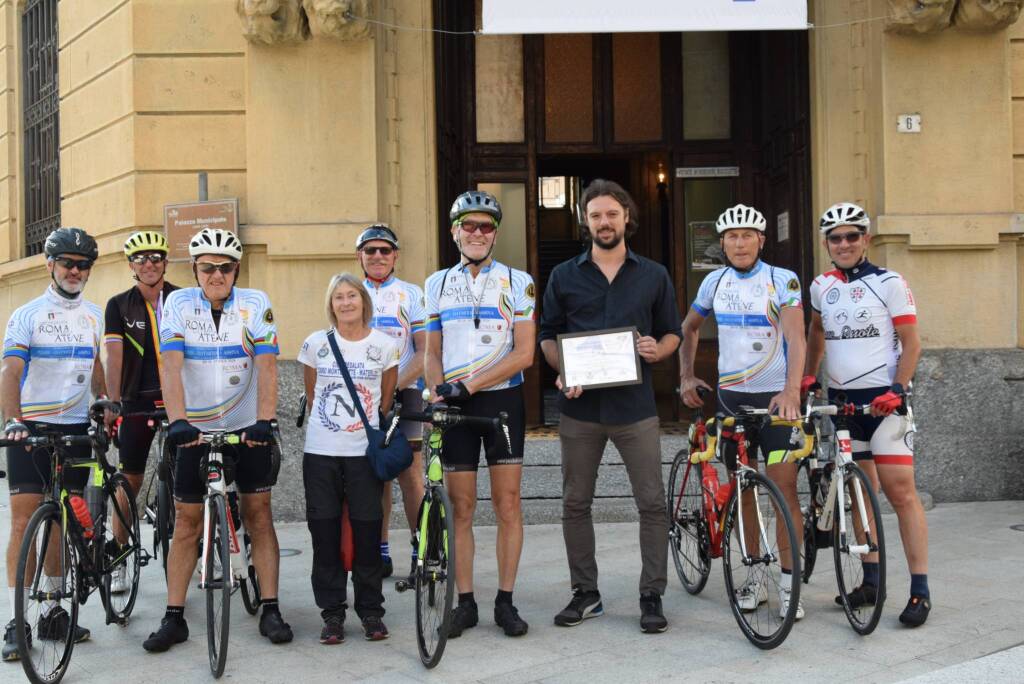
[335,466]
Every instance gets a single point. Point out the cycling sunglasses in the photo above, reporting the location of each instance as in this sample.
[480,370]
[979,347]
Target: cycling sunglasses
[209,267]
[143,258]
[837,239]
[80,264]
[485,227]
[384,251]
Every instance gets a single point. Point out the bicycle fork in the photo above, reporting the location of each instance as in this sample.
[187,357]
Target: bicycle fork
[748,560]
[837,501]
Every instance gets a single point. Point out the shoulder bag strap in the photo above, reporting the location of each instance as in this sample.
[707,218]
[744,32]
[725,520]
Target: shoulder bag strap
[348,379]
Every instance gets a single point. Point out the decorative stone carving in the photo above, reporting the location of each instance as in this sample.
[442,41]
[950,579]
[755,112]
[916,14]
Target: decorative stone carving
[272,22]
[986,15]
[340,19]
[919,16]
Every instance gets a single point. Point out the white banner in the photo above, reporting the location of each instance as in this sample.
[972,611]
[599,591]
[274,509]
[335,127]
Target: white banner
[641,16]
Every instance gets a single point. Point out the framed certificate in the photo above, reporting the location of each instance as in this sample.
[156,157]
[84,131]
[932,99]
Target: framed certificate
[599,358]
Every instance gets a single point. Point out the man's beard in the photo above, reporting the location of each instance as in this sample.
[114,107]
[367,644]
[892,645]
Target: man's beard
[71,288]
[608,243]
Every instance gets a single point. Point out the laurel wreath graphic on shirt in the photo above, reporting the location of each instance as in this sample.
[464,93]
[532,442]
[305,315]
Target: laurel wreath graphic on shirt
[325,416]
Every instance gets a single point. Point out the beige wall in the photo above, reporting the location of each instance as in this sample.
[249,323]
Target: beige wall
[944,199]
[317,140]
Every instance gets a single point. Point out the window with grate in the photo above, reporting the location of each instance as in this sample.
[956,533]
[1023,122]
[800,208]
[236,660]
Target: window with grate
[40,122]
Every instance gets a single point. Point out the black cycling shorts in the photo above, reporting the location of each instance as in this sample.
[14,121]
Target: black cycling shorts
[30,473]
[773,441]
[251,468]
[461,449]
[412,402]
[135,437]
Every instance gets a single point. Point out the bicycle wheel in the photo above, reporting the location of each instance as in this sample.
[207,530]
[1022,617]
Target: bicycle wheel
[250,587]
[46,628]
[122,556]
[753,580]
[688,537]
[806,485]
[435,578]
[165,504]
[218,588]
[849,570]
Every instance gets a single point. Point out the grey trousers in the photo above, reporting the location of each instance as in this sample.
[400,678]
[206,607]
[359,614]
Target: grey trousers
[640,446]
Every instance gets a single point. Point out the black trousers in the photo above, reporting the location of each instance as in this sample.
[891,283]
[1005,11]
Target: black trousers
[328,481]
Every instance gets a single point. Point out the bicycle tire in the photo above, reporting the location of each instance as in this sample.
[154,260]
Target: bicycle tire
[45,665]
[688,536]
[805,489]
[865,618]
[763,626]
[218,592]
[165,512]
[129,554]
[249,587]
[435,578]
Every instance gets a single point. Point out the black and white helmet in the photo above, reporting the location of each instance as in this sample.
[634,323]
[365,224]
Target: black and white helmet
[377,231]
[740,216]
[475,201]
[845,214]
[215,241]
[71,241]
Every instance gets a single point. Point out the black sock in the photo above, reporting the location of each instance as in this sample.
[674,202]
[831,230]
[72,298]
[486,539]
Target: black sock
[175,613]
[467,598]
[270,606]
[503,597]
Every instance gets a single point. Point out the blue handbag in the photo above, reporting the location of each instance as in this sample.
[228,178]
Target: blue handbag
[387,460]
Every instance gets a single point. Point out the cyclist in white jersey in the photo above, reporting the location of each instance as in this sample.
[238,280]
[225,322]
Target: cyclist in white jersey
[398,311]
[50,362]
[480,337]
[760,357]
[218,344]
[864,323]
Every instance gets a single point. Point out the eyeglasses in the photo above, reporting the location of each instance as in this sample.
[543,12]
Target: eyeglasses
[80,264]
[485,227]
[208,267]
[838,238]
[383,251]
[143,258]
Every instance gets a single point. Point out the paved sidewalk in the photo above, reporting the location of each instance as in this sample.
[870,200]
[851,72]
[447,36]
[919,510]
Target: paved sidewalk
[975,577]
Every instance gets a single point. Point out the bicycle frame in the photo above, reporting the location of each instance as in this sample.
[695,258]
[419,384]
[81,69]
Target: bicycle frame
[216,486]
[435,477]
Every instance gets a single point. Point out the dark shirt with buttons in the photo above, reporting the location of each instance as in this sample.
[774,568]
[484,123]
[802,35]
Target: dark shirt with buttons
[579,298]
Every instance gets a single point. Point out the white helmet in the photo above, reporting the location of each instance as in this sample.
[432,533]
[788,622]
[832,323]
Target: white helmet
[215,241]
[741,216]
[845,214]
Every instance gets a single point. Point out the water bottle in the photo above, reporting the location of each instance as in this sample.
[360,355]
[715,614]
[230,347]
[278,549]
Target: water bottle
[94,499]
[81,511]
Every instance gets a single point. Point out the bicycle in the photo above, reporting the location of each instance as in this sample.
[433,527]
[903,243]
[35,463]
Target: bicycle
[78,549]
[838,488]
[735,521]
[218,575]
[158,509]
[435,558]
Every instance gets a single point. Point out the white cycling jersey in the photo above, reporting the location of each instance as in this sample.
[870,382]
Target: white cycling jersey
[59,340]
[747,307]
[477,316]
[859,314]
[398,311]
[219,374]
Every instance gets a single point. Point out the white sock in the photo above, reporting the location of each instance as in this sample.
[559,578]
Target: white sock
[49,583]
[10,596]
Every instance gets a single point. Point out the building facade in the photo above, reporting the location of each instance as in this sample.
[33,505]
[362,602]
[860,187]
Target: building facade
[323,116]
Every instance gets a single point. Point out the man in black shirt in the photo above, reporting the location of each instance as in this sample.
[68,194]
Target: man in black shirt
[609,286]
[131,327]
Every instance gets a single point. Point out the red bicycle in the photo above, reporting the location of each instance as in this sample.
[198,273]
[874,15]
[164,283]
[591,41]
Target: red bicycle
[744,521]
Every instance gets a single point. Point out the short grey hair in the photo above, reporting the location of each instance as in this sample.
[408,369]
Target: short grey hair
[356,284]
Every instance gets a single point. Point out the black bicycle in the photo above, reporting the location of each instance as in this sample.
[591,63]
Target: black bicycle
[79,549]
[158,509]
